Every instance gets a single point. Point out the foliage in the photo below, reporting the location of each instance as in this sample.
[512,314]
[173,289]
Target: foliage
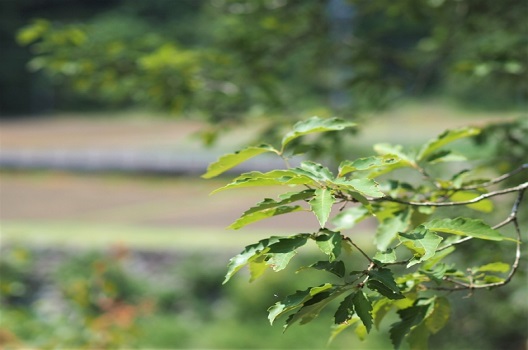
[413,266]
[230,59]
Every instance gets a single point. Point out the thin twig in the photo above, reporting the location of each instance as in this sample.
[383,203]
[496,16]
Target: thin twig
[497,179]
[518,188]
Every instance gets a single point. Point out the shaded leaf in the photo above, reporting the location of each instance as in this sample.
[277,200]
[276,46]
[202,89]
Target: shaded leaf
[295,300]
[383,282]
[410,317]
[389,228]
[438,315]
[313,125]
[338,328]
[418,337]
[311,308]
[321,204]
[330,243]
[380,308]
[445,156]
[363,309]
[231,160]
[465,227]
[349,217]
[443,139]
[288,244]
[335,267]
[345,311]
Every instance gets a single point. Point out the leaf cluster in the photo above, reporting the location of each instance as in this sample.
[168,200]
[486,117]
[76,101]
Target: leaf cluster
[412,233]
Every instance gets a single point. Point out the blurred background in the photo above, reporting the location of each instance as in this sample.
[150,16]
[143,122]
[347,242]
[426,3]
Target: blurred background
[112,109]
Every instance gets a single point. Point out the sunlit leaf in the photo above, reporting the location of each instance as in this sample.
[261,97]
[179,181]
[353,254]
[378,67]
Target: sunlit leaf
[317,171]
[272,178]
[231,160]
[422,242]
[263,214]
[313,125]
[385,257]
[321,204]
[397,150]
[285,198]
[279,261]
[367,163]
[485,205]
[493,267]
[465,227]
[443,139]
[366,187]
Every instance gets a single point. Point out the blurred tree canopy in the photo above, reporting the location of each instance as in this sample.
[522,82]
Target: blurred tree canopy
[224,59]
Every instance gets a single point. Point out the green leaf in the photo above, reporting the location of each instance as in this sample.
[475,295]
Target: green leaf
[422,242]
[349,217]
[366,187]
[485,205]
[439,315]
[317,171]
[397,150]
[295,300]
[285,198]
[465,227]
[418,337]
[345,311]
[257,265]
[321,204]
[367,163]
[438,257]
[363,309]
[330,243]
[231,160]
[385,257]
[272,178]
[389,228]
[313,125]
[410,317]
[288,244]
[382,281]
[493,267]
[240,260]
[311,308]
[380,309]
[279,261]
[335,267]
[445,156]
[338,328]
[264,214]
[447,137]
